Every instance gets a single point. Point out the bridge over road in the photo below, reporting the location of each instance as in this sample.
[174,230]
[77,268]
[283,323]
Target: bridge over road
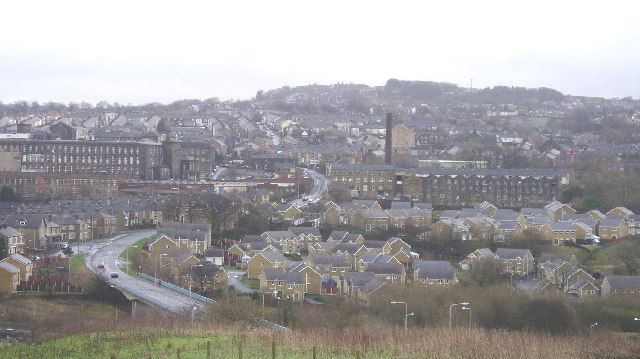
[134,288]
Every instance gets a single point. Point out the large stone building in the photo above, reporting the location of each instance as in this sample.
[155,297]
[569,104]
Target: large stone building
[58,168]
[127,159]
[451,187]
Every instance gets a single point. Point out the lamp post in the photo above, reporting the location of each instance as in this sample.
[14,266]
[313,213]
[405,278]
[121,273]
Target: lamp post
[406,313]
[129,264]
[190,276]
[468,309]
[158,263]
[464,304]
[275,295]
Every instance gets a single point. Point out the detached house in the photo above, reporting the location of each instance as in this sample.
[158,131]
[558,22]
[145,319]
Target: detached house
[477,256]
[558,232]
[515,261]
[265,260]
[451,229]
[434,273]
[22,263]
[557,210]
[307,236]
[282,284]
[390,273]
[14,241]
[612,228]
[623,212]
[621,285]
[37,232]
[331,268]
[9,278]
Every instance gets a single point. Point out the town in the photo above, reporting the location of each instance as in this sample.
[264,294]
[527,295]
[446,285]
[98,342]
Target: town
[310,200]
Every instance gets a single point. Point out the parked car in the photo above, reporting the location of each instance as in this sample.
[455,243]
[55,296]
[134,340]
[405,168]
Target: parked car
[114,275]
[101,266]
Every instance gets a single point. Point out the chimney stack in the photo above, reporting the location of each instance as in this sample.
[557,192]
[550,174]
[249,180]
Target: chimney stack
[388,140]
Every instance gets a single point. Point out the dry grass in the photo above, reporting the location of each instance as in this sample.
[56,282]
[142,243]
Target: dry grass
[129,342]
[64,332]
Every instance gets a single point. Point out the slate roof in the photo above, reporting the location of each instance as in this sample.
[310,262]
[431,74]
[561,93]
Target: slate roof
[507,225]
[511,253]
[176,233]
[434,269]
[385,268]
[624,281]
[24,221]
[485,252]
[550,257]
[20,258]
[470,213]
[533,212]
[314,231]
[506,215]
[329,260]
[400,205]
[359,279]
[449,213]
[9,268]
[347,248]
[562,226]
[283,275]
[610,222]
[423,205]
[369,244]
[372,285]
[10,232]
[275,256]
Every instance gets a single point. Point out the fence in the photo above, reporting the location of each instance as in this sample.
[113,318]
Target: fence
[49,288]
[167,285]
[47,260]
[100,345]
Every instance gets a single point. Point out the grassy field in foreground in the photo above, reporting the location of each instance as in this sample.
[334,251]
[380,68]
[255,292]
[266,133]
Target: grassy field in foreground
[426,343]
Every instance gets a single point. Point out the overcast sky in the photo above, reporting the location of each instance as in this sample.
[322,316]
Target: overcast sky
[144,51]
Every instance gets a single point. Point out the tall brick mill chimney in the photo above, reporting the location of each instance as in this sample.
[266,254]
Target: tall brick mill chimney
[387,141]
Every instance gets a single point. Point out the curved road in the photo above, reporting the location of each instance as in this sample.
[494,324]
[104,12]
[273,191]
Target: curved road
[141,289]
[320,186]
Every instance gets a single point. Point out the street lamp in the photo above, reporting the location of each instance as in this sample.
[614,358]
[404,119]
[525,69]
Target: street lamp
[468,309]
[406,313]
[464,304]
[275,295]
[129,264]
[190,276]
[159,261]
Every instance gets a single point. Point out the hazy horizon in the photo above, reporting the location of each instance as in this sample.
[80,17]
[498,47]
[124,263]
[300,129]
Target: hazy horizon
[73,51]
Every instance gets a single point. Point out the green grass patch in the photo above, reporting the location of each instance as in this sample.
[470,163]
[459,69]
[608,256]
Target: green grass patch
[608,259]
[134,247]
[568,251]
[78,261]
[123,345]
[251,283]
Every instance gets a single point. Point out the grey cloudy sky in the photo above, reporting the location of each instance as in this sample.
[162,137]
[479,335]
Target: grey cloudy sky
[143,51]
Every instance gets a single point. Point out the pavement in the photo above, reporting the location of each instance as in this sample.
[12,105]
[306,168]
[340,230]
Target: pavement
[320,187]
[217,174]
[274,138]
[234,280]
[107,254]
